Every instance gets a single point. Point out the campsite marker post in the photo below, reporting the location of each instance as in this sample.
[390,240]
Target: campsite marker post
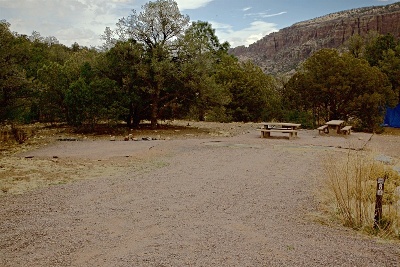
[378,205]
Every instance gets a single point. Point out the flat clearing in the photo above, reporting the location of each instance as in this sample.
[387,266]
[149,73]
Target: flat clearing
[229,198]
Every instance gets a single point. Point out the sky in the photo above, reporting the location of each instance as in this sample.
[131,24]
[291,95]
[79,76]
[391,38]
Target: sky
[240,22]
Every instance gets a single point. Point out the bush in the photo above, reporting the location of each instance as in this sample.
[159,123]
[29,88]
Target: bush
[218,114]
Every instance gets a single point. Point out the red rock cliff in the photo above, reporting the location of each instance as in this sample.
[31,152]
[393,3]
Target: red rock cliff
[284,50]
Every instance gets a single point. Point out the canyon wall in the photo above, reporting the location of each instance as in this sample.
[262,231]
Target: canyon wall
[283,51]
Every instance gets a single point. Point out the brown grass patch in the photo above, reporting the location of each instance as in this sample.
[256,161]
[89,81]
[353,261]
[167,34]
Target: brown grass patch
[350,192]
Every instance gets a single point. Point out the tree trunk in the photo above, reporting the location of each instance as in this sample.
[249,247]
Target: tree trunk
[154,108]
[130,117]
[154,116]
[202,113]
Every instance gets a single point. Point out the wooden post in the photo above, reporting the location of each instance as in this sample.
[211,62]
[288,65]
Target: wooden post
[378,204]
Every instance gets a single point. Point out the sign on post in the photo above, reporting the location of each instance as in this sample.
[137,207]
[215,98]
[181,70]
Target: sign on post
[378,204]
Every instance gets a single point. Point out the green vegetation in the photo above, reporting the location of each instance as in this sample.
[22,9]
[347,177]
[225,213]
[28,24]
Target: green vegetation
[333,85]
[155,65]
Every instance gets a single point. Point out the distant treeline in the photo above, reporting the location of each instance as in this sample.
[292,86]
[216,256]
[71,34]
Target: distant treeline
[156,65]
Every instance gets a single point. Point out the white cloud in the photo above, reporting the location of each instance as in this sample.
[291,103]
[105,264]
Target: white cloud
[82,36]
[264,14]
[246,8]
[246,36]
[70,21]
[192,4]
[273,15]
[83,21]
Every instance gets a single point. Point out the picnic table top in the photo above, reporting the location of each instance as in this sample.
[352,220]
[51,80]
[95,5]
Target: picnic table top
[289,124]
[334,122]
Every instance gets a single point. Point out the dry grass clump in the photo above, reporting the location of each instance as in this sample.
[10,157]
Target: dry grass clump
[350,192]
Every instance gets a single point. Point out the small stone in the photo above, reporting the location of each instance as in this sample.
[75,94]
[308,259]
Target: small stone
[384,159]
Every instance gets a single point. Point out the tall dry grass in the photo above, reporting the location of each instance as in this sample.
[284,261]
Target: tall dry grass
[350,192]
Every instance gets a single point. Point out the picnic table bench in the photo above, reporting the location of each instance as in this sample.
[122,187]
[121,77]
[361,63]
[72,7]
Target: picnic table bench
[267,132]
[323,128]
[346,129]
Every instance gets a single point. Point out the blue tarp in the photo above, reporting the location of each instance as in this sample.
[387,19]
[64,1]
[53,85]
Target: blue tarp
[392,118]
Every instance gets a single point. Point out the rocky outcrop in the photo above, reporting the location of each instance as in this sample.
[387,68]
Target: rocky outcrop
[284,50]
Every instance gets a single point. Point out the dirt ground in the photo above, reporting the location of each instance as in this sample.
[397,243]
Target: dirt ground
[208,194]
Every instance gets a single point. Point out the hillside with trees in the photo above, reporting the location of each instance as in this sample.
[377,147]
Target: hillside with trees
[156,65]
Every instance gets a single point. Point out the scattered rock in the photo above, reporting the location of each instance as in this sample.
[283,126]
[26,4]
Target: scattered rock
[112,138]
[384,159]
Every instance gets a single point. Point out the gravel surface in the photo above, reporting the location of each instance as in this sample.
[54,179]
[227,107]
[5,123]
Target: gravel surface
[210,201]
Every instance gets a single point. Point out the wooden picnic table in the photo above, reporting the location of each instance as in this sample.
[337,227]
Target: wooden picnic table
[335,124]
[283,127]
[280,125]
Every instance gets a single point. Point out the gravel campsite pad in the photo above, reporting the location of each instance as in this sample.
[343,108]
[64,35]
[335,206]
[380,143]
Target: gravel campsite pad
[218,200]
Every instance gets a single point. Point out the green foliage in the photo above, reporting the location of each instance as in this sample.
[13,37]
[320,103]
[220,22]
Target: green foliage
[218,114]
[356,46]
[90,101]
[382,51]
[78,99]
[199,52]
[339,86]
[54,84]
[390,65]
[155,28]
[305,118]
[14,86]
[253,95]
[376,48]
[153,66]
[157,66]
[123,64]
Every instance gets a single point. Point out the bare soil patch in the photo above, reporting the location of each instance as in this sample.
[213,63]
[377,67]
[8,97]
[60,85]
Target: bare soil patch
[203,195]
